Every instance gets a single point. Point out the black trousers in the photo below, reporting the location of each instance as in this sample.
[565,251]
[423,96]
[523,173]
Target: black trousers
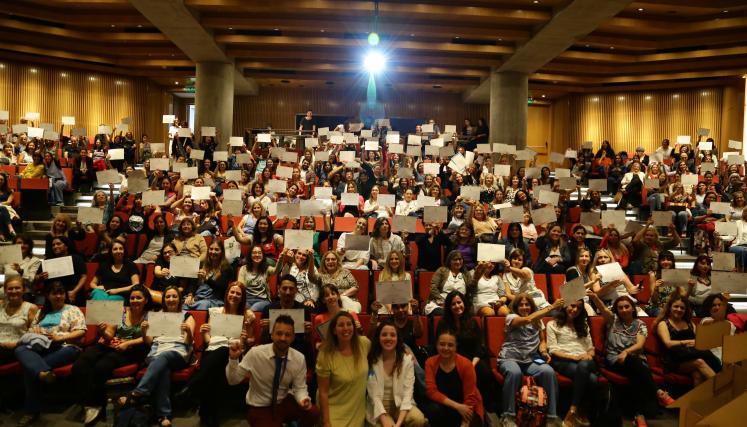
[209,383]
[94,367]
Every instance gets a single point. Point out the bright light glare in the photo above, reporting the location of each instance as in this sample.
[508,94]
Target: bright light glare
[374,62]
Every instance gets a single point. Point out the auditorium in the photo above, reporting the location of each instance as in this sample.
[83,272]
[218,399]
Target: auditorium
[379,213]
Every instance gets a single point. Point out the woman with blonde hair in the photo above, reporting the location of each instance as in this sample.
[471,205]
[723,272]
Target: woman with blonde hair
[609,292]
[342,370]
[300,264]
[393,271]
[332,272]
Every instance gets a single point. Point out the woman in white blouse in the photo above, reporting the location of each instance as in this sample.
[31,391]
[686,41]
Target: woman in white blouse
[372,207]
[29,265]
[408,205]
[391,380]
[354,259]
[569,343]
[739,242]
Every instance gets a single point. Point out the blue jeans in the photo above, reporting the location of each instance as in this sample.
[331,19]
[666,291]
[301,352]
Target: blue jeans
[654,202]
[680,220]
[581,373]
[204,299]
[157,380]
[34,363]
[257,304]
[740,254]
[56,191]
[513,372]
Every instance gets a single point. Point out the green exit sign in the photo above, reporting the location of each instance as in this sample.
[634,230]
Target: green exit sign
[189,89]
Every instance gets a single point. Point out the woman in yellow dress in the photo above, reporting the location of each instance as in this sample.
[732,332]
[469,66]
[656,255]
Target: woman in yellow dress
[342,372]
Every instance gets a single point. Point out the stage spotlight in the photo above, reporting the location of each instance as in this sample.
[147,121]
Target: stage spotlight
[373,38]
[374,62]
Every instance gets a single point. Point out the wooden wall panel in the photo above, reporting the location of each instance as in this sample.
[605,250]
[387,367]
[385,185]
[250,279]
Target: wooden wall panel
[93,98]
[634,119]
[278,106]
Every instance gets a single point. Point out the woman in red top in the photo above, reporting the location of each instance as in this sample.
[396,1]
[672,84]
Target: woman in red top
[264,236]
[451,387]
[613,241]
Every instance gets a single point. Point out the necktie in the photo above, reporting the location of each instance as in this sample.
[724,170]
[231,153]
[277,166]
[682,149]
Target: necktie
[276,379]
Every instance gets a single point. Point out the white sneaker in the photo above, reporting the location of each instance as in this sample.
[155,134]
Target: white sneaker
[91,414]
[508,421]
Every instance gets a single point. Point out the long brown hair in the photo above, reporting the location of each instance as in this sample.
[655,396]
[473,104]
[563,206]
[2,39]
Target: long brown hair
[330,343]
[376,351]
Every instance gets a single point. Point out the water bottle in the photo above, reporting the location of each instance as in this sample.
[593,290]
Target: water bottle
[110,412]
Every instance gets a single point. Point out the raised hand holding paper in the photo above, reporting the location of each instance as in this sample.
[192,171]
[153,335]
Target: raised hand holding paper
[399,292]
[184,266]
[100,311]
[491,252]
[164,324]
[226,325]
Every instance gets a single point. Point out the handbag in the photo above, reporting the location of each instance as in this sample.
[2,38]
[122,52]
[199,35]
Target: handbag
[531,404]
[677,206]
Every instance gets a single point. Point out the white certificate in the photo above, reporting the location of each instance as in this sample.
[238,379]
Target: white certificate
[233,207]
[109,176]
[435,214]
[233,175]
[722,208]
[165,324]
[311,142]
[10,254]
[386,200]
[573,291]
[703,131]
[178,166]
[48,127]
[502,170]
[159,164]
[737,145]
[424,201]
[571,154]
[413,151]
[232,194]
[437,142]
[598,185]
[284,171]
[372,145]
[726,228]
[450,129]
[675,277]
[525,155]
[661,218]
[200,193]
[323,192]
[20,128]
[32,116]
[137,182]
[51,135]
[533,172]
[683,139]
[728,282]
[311,207]
[392,139]
[399,292]
[297,314]
[491,252]
[277,186]
[289,157]
[562,173]
[432,151]
[616,217]
[427,128]
[396,149]
[323,131]
[100,311]
[431,168]
[122,128]
[611,272]
[68,120]
[5,115]
[322,156]
[226,325]
[404,223]
[548,197]
[347,156]
[354,242]
[189,172]
[483,148]
[723,261]
[404,172]
[471,192]
[705,145]
[567,183]
[153,197]
[651,184]
[197,154]
[336,139]
[35,132]
[116,154]
[220,156]
[90,215]
[184,266]
[413,139]
[156,147]
[366,133]
[512,214]
[243,158]
[591,218]
[58,267]
[544,215]
[349,199]
[262,137]
[299,239]
[735,159]
[707,167]
[288,210]
[207,130]
[168,118]
[104,129]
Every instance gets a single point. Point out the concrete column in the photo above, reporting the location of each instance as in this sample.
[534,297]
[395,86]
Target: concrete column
[508,108]
[214,98]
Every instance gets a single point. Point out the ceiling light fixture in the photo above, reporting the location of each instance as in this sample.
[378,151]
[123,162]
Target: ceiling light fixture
[640,9]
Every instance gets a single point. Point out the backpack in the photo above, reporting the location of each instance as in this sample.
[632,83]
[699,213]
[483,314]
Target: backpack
[531,404]
[133,416]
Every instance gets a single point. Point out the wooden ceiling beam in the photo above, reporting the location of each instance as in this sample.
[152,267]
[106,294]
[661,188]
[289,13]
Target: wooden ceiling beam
[276,55]
[251,66]
[708,39]
[678,66]
[106,36]
[332,42]
[589,80]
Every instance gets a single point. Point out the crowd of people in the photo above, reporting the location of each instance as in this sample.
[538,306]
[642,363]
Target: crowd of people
[382,377]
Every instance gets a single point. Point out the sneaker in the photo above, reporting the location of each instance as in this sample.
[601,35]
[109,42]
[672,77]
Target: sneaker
[640,421]
[508,421]
[92,414]
[665,399]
